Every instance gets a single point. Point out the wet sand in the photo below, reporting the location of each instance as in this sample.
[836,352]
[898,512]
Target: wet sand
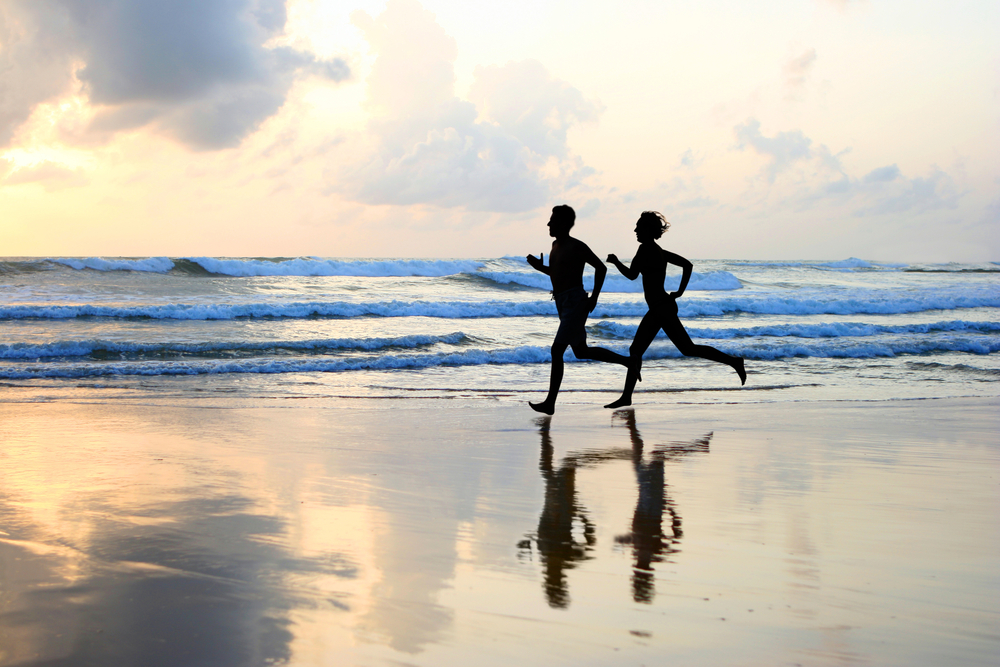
[451,532]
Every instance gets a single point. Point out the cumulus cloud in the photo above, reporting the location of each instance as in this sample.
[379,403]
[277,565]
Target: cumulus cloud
[503,150]
[691,161]
[530,105]
[822,177]
[50,175]
[797,72]
[784,149]
[842,5]
[197,70]
[896,194]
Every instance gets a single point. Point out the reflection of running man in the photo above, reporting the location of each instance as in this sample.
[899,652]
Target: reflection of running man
[566,263]
[651,261]
[558,548]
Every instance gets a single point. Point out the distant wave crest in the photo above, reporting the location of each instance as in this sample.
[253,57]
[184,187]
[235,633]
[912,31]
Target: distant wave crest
[148,264]
[314,266]
[300,266]
[712,281]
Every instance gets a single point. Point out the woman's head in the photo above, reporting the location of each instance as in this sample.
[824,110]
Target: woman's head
[652,224]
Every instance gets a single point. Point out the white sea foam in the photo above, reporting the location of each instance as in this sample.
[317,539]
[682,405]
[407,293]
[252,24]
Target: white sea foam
[833,303]
[88,347]
[821,330]
[343,309]
[475,357]
[850,263]
[148,264]
[314,266]
[519,355]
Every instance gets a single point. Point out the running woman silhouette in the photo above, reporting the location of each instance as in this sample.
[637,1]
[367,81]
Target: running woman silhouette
[651,261]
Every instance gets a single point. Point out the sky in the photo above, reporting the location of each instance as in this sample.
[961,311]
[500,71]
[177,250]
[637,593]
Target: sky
[806,129]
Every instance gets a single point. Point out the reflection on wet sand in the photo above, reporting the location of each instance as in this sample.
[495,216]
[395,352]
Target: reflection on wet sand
[566,536]
[115,598]
[372,535]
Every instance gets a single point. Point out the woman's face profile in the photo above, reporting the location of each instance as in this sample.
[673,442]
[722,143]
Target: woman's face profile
[642,232]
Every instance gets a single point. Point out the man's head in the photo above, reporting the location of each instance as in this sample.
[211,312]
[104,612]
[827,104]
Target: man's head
[562,220]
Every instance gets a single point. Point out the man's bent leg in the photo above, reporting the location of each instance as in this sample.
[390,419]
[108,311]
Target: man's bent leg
[548,406]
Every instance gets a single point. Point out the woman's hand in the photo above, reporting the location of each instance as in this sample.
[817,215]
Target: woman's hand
[612,258]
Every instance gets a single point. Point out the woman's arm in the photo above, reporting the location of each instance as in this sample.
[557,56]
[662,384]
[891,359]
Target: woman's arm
[629,272]
[685,265]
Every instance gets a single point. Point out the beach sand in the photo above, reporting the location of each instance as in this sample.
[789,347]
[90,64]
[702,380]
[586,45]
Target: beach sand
[250,531]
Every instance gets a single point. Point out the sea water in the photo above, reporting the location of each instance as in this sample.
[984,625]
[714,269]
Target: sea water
[390,328]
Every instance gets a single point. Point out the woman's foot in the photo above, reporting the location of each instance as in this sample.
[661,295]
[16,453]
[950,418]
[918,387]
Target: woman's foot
[545,407]
[620,403]
[741,371]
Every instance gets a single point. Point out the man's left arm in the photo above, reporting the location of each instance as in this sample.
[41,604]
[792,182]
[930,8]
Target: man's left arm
[600,270]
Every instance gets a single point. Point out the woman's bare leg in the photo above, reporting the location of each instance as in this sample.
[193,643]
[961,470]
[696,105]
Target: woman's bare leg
[679,336]
[644,335]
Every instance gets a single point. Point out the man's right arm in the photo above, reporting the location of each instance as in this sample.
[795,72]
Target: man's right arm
[538,263]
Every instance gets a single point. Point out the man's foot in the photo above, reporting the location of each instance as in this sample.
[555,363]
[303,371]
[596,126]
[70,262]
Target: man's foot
[635,365]
[620,403]
[544,407]
[741,371]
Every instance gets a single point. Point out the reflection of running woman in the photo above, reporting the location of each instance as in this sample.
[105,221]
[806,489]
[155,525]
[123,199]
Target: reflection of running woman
[649,543]
[565,268]
[651,261]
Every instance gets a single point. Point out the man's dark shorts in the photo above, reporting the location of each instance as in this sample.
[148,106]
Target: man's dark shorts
[572,307]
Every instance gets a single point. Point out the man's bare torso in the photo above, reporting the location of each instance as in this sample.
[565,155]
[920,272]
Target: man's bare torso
[566,263]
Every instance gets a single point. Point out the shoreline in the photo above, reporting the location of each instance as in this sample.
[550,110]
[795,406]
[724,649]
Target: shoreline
[366,531]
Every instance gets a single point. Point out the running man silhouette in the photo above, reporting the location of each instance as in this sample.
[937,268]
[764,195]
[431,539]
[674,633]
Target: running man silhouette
[565,269]
[651,261]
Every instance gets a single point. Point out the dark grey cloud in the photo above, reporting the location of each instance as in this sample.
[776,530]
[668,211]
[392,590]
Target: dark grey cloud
[35,59]
[198,70]
[493,153]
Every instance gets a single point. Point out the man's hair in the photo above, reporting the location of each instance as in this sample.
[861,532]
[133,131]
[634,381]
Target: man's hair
[655,221]
[564,213]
